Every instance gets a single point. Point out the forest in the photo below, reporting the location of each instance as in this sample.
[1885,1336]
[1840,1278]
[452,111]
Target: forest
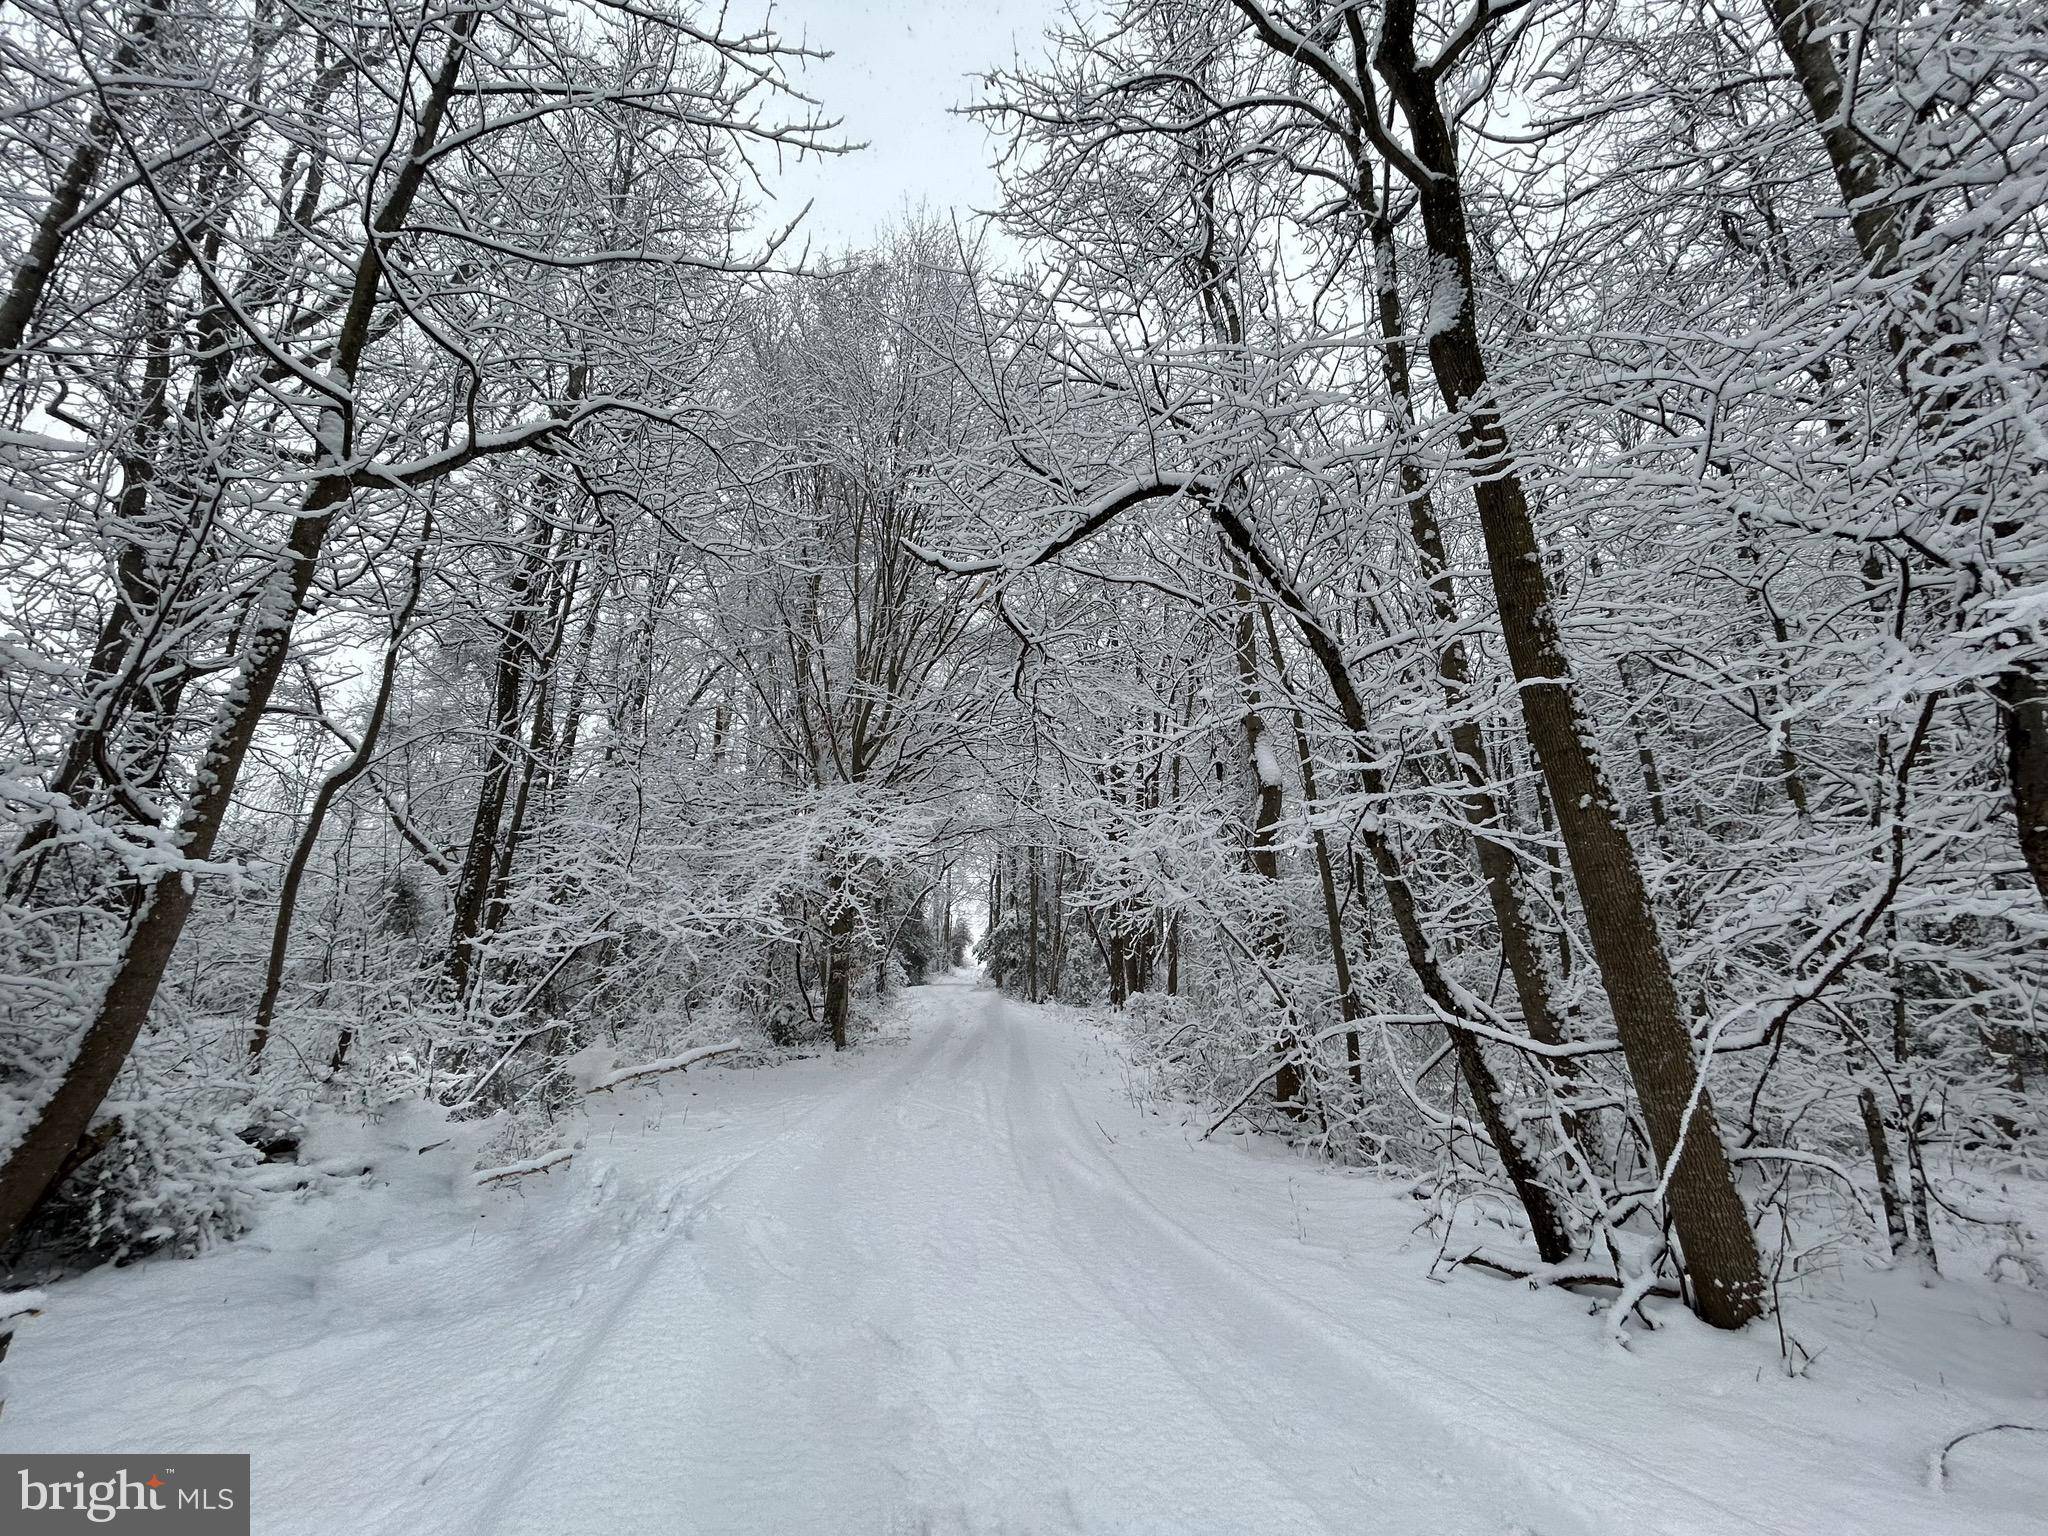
[1469,579]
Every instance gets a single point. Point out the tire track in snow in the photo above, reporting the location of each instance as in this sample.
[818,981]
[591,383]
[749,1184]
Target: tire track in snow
[1256,1329]
[547,1412]
[938,1300]
[1560,1468]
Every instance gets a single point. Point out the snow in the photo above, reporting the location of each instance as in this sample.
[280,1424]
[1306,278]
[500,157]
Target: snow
[1266,764]
[970,1279]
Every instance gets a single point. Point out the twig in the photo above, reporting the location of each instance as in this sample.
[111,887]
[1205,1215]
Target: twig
[1937,1471]
[1246,1097]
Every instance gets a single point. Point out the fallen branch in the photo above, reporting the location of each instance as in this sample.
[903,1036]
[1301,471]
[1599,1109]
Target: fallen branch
[1564,1275]
[1245,1098]
[1937,1468]
[1826,1165]
[626,1076]
[542,1164]
[16,1305]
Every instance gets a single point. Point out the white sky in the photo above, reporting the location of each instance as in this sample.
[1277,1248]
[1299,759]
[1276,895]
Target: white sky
[897,70]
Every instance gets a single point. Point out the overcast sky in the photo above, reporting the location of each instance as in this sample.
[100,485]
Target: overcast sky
[897,71]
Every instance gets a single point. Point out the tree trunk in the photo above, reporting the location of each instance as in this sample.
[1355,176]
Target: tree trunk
[166,902]
[1646,759]
[121,658]
[839,931]
[1897,1232]
[1877,220]
[1349,1009]
[1262,855]
[1706,1209]
[1498,865]
[350,770]
[39,261]
[540,759]
[1059,921]
[1547,1221]
[479,860]
[1031,941]
[2023,698]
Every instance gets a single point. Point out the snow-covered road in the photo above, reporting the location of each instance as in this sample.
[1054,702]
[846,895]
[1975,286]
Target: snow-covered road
[969,1280]
[935,1300]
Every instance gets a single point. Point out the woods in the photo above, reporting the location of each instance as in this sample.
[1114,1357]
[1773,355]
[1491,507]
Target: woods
[1473,574]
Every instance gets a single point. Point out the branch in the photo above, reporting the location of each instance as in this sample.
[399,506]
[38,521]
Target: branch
[1089,519]
[626,1076]
[545,1163]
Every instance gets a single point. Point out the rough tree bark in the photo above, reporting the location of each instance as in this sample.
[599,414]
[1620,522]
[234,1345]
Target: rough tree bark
[1499,867]
[1706,1209]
